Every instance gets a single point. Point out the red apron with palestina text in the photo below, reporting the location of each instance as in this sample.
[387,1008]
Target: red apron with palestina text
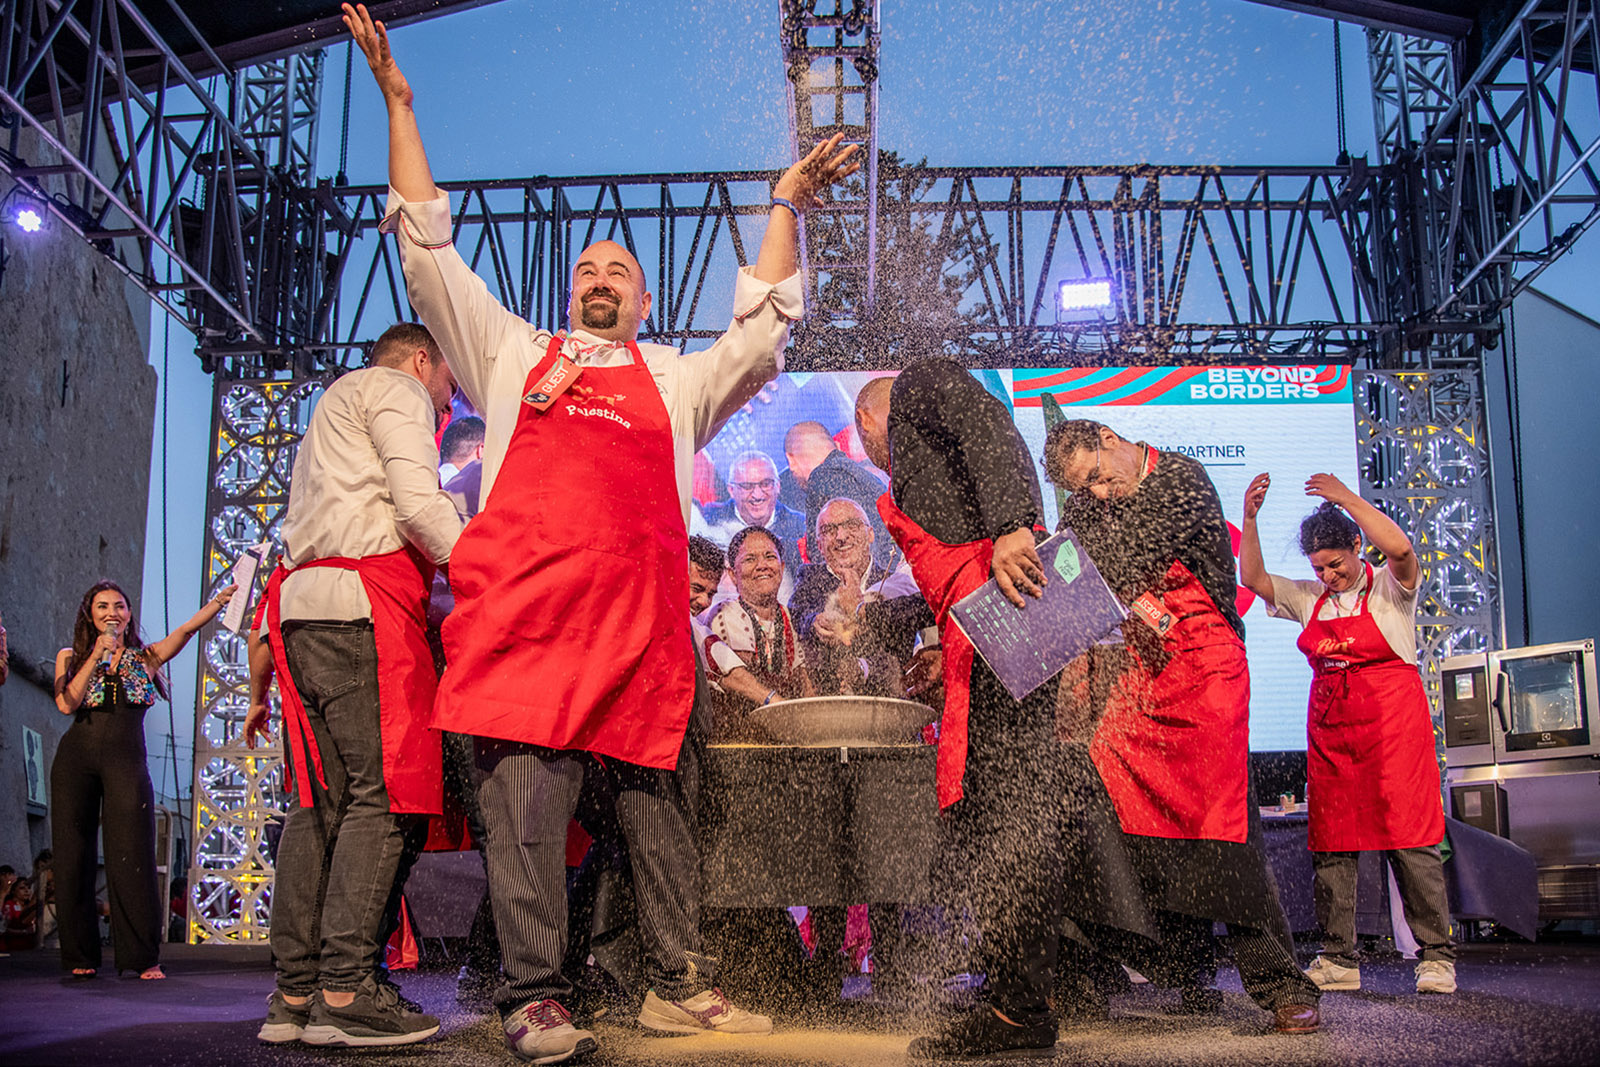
[570,629]
[396,584]
[1371,769]
[1173,747]
[945,573]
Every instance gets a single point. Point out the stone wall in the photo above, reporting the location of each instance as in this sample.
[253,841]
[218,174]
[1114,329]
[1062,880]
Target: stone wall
[77,406]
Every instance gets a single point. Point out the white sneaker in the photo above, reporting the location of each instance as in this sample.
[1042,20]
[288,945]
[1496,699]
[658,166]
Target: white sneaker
[1436,976]
[708,1011]
[542,1031]
[1330,975]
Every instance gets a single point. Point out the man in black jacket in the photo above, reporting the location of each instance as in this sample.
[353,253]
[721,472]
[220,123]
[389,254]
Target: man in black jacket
[1030,833]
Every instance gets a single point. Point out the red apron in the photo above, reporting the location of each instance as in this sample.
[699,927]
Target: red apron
[945,574]
[1372,773]
[396,584]
[1174,747]
[570,629]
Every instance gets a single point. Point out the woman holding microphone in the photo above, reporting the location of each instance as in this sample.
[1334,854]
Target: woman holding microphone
[1372,772]
[106,681]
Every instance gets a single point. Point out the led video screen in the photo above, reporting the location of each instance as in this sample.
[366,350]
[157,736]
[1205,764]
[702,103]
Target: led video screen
[1290,421]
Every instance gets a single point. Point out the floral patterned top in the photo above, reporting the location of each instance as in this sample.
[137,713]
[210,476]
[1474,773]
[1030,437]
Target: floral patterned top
[133,684]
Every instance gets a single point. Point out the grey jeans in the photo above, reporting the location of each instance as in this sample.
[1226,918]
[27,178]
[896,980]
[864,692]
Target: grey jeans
[1419,874]
[336,859]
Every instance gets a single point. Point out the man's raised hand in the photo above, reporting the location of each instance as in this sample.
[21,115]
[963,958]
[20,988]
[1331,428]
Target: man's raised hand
[373,40]
[823,166]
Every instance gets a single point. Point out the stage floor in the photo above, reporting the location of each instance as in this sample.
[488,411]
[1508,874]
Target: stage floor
[1523,1004]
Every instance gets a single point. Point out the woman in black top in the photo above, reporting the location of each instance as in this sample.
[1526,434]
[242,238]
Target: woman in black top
[105,681]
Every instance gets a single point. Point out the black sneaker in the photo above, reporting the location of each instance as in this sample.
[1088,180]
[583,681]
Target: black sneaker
[384,978]
[981,1034]
[285,1022]
[374,1018]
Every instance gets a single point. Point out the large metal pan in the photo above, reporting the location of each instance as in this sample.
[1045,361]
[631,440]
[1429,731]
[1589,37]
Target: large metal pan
[826,722]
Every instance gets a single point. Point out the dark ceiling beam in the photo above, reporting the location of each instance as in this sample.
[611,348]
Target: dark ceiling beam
[1440,21]
[319,33]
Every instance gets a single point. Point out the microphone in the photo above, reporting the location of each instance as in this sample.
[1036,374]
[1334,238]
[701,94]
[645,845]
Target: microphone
[110,631]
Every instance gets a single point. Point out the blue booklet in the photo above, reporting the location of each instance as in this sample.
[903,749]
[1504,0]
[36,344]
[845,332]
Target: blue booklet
[1026,647]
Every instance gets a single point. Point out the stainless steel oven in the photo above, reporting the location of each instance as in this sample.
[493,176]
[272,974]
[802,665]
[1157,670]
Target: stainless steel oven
[1532,703]
[1544,702]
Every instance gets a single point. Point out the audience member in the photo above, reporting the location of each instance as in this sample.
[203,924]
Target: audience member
[717,657]
[753,489]
[756,626]
[822,469]
[5,654]
[106,680]
[461,444]
[19,916]
[857,621]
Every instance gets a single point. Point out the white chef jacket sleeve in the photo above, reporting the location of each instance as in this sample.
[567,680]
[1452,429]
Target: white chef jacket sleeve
[470,326]
[399,418]
[1293,599]
[718,381]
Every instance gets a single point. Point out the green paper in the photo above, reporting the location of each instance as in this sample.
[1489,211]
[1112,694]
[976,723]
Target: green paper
[1067,563]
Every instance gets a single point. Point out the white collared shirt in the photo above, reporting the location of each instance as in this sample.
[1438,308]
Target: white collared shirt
[365,482]
[1393,607]
[491,350]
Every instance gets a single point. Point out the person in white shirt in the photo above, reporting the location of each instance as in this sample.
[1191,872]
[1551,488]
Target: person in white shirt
[569,638]
[1372,768]
[343,629]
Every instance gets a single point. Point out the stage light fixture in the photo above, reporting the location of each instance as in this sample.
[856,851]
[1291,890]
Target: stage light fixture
[1085,294]
[29,219]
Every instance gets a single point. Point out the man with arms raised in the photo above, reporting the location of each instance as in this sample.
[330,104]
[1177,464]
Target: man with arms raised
[569,638]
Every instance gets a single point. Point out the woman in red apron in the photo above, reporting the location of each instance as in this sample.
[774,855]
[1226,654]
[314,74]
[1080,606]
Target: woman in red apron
[1372,772]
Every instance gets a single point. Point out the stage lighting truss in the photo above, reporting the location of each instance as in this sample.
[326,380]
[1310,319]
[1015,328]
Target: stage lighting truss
[1421,439]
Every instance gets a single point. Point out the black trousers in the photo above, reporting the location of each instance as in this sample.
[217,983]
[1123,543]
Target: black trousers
[1419,874]
[1002,849]
[100,784]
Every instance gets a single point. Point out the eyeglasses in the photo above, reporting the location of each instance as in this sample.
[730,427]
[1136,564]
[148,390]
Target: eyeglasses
[828,529]
[750,487]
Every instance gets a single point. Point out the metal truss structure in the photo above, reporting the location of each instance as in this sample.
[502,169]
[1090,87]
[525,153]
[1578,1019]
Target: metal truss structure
[1494,168]
[1422,448]
[148,163]
[1215,263]
[830,54]
[256,428]
[1402,266]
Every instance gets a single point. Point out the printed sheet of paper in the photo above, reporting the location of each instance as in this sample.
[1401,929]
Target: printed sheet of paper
[1027,647]
[245,569]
